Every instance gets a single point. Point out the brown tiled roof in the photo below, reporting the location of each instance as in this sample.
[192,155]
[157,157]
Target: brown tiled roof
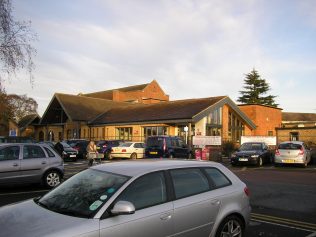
[27,120]
[172,110]
[81,108]
[107,93]
[298,117]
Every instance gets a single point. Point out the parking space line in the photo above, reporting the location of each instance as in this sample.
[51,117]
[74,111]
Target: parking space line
[284,221]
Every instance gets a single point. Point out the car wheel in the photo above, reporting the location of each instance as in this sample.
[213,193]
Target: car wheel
[260,161]
[52,178]
[171,156]
[134,156]
[190,156]
[231,226]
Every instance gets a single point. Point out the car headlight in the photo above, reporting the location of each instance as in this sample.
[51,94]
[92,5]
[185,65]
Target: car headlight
[254,156]
[233,156]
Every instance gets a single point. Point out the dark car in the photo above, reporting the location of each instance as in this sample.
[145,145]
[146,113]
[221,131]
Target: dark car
[167,147]
[81,146]
[105,146]
[66,151]
[252,153]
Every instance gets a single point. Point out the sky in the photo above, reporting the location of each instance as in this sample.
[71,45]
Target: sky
[192,48]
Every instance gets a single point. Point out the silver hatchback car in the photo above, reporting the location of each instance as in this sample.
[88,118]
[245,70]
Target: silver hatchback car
[137,199]
[292,152]
[30,163]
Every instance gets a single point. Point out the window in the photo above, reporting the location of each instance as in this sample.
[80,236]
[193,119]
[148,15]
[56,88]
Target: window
[294,136]
[10,153]
[270,133]
[235,127]
[124,133]
[49,152]
[155,131]
[189,182]
[138,145]
[30,152]
[146,191]
[218,178]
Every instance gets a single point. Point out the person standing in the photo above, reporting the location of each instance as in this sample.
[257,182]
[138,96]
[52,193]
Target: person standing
[91,152]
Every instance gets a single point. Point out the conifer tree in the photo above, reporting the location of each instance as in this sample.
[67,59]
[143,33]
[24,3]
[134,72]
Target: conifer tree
[254,90]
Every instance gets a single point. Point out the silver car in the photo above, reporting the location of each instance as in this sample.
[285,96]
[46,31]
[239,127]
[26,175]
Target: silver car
[292,152]
[136,199]
[30,163]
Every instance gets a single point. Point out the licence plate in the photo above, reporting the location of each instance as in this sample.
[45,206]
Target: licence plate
[153,152]
[72,156]
[243,159]
[288,161]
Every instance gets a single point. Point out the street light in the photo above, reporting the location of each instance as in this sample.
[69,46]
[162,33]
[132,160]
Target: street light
[186,129]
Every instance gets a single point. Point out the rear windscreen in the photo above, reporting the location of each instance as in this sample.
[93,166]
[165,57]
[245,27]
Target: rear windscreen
[155,141]
[290,146]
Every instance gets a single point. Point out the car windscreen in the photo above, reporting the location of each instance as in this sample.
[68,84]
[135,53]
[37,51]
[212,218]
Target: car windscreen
[65,145]
[125,144]
[155,142]
[251,147]
[289,146]
[83,194]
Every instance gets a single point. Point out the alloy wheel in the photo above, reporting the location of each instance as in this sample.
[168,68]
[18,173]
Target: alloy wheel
[232,228]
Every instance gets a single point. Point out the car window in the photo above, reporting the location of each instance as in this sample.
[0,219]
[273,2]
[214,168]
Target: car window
[174,142]
[188,182]
[289,146]
[126,144]
[138,145]
[49,152]
[10,153]
[155,141]
[218,178]
[251,146]
[146,191]
[30,152]
[181,143]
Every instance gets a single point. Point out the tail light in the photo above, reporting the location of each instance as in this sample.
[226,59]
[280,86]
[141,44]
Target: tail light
[277,152]
[104,146]
[247,192]
[301,152]
[76,148]
[123,150]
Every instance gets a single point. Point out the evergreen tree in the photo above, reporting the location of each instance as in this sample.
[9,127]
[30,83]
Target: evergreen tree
[254,89]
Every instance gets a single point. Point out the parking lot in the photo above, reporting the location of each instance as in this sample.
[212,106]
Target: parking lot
[282,199]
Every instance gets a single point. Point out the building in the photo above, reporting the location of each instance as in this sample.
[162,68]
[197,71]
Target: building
[298,126]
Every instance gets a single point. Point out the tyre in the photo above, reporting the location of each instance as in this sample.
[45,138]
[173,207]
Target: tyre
[190,156]
[133,156]
[231,226]
[52,178]
[107,155]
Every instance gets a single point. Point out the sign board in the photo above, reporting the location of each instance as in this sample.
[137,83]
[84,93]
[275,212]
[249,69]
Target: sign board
[207,140]
[269,140]
[12,133]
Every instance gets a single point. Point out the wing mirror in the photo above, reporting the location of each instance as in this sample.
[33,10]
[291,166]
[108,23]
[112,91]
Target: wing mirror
[123,208]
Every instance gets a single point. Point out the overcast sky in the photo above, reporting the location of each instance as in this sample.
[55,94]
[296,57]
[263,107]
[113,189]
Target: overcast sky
[192,48]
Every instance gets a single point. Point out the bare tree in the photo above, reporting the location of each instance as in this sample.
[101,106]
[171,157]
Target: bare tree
[16,52]
[21,106]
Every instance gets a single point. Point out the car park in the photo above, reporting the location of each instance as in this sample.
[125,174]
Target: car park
[252,153]
[132,150]
[292,153]
[167,147]
[30,163]
[139,198]
[105,146]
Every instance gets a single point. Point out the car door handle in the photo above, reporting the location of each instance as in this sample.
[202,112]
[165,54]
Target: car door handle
[15,164]
[165,217]
[43,162]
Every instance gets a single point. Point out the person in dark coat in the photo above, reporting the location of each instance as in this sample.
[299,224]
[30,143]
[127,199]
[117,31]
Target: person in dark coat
[59,148]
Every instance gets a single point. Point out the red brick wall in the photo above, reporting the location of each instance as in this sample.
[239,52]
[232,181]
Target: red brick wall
[266,118]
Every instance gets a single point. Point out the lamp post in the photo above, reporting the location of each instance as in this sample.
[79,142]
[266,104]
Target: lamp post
[186,129]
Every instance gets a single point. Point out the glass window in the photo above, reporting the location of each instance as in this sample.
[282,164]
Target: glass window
[49,152]
[218,178]
[146,191]
[10,153]
[124,133]
[32,151]
[188,182]
[83,194]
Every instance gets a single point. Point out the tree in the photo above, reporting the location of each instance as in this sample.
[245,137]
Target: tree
[16,52]
[21,106]
[255,87]
[6,112]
